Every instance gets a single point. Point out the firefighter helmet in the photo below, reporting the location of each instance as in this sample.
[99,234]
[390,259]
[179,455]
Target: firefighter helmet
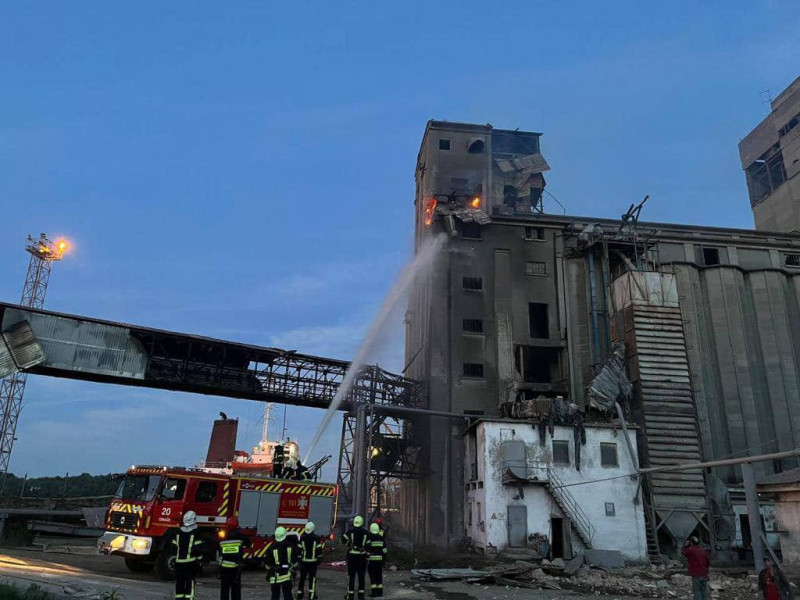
[280,534]
[379,521]
[189,521]
[358,521]
[374,529]
[232,523]
[310,527]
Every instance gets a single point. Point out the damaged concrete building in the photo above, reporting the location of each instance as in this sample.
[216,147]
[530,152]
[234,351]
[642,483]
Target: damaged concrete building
[526,312]
[771,161]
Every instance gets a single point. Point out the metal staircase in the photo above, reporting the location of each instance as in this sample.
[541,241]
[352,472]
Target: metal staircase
[530,471]
[566,502]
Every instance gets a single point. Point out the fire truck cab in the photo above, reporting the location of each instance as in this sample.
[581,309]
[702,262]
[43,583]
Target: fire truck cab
[150,501]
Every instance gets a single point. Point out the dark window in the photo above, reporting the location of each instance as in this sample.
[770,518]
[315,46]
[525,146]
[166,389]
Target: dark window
[206,491]
[474,413]
[538,320]
[473,369]
[536,364]
[140,488]
[710,256]
[510,195]
[444,144]
[535,268]
[471,230]
[472,325]
[608,455]
[476,147]
[472,283]
[611,511]
[789,126]
[765,174]
[534,233]
[792,260]
[173,489]
[560,452]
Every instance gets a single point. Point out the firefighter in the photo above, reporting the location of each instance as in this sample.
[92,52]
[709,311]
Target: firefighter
[231,549]
[188,549]
[356,540]
[301,472]
[310,555]
[281,560]
[381,529]
[277,461]
[377,553]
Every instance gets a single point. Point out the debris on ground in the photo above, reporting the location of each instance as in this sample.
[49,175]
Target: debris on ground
[592,575]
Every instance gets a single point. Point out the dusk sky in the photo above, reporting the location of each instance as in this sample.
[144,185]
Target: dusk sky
[245,170]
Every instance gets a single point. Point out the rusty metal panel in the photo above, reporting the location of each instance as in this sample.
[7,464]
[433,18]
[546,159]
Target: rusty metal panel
[82,345]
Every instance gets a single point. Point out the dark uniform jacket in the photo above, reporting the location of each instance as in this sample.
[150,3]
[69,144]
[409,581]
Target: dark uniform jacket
[356,540]
[280,559]
[231,550]
[311,547]
[376,546]
[188,547]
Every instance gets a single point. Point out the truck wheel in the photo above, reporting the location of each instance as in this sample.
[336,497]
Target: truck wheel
[137,565]
[165,564]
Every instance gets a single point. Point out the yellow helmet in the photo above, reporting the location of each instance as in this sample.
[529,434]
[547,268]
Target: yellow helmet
[358,521]
[280,534]
[375,529]
[310,527]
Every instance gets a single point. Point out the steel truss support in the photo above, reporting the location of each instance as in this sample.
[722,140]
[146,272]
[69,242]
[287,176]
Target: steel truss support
[12,388]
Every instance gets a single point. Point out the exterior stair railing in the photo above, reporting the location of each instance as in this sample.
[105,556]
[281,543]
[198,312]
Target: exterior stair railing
[536,471]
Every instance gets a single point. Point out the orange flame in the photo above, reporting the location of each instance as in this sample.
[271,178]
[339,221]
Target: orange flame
[476,202]
[430,207]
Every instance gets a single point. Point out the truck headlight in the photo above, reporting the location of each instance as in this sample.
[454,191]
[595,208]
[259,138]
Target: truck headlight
[140,544]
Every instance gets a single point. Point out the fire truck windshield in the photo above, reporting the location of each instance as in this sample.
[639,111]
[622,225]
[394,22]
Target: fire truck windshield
[138,487]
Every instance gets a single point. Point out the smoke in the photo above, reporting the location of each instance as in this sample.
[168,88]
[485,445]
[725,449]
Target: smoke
[419,265]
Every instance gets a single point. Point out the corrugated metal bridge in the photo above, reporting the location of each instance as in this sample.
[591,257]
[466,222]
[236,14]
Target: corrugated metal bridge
[59,345]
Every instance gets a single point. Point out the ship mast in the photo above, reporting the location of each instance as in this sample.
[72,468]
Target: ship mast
[265,426]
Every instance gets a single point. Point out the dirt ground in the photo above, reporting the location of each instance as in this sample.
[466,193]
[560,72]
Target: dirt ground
[89,575]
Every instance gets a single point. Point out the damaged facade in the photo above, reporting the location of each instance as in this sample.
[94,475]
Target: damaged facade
[771,161]
[526,311]
[523,488]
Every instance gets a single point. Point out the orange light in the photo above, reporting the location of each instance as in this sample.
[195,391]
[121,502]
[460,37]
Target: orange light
[222,534]
[476,202]
[430,207]
[62,246]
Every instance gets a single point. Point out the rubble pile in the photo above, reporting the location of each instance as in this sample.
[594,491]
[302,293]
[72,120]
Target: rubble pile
[653,581]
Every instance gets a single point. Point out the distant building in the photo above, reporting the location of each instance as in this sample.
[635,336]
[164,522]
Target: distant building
[771,161]
[523,484]
[526,308]
[781,492]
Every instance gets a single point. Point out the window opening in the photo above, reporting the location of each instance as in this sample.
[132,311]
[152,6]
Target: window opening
[472,325]
[473,370]
[472,283]
[560,452]
[608,455]
[538,320]
[206,491]
[444,144]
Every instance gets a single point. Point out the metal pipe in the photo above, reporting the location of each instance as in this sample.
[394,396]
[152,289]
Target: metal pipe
[628,444]
[753,515]
[390,408]
[722,463]
[593,312]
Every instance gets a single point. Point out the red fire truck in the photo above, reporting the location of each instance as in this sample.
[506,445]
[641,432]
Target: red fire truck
[148,506]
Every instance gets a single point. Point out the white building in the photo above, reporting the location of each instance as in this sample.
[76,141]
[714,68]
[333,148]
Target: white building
[518,485]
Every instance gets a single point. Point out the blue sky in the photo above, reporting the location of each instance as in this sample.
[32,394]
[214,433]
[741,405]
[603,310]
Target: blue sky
[245,170]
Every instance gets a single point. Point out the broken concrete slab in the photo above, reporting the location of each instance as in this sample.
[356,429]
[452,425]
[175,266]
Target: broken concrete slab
[449,574]
[573,566]
[604,559]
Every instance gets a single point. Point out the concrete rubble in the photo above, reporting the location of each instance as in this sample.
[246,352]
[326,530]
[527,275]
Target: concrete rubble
[576,575]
